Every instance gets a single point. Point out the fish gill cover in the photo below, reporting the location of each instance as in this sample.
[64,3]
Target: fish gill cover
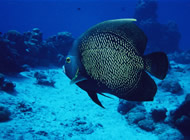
[36,99]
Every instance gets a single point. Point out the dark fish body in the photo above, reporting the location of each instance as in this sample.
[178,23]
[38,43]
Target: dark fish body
[109,58]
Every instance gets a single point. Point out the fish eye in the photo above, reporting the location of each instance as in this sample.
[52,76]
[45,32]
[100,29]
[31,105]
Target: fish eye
[68,60]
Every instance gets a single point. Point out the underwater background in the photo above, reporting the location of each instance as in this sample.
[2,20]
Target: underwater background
[36,99]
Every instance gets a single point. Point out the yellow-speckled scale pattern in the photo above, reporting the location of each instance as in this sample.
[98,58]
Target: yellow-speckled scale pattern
[148,63]
[112,61]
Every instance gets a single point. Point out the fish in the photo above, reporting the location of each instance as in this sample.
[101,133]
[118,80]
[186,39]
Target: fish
[109,58]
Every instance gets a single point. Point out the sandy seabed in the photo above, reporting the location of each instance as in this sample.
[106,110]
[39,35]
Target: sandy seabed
[66,112]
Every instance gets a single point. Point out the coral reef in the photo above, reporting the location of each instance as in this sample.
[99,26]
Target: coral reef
[136,114]
[43,79]
[159,114]
[171,85]
[6,85]
[146,124]
[9,57]
[155,120]
[161,37]
[42,112]
[18,50]
[4,114]
[181,116]
[180,57]
[171,134]
[33,38]
[139,116]
[2,78]
[62,112]
[125,106]
[62,42]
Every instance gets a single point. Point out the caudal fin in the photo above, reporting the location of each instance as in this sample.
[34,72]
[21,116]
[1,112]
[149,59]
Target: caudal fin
[157,64]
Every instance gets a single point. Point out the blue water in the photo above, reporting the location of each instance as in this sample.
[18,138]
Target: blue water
[75,16]
[36,98]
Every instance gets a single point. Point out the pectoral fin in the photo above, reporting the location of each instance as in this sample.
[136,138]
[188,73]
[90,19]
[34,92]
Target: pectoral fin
[77,78]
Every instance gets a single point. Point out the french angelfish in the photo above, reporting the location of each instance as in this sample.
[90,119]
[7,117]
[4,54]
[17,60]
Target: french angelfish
[108,58]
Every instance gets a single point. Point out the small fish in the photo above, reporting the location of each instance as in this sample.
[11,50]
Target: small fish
[108,58]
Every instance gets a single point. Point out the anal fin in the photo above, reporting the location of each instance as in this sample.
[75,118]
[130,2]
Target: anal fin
[94,97]
[145,90]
